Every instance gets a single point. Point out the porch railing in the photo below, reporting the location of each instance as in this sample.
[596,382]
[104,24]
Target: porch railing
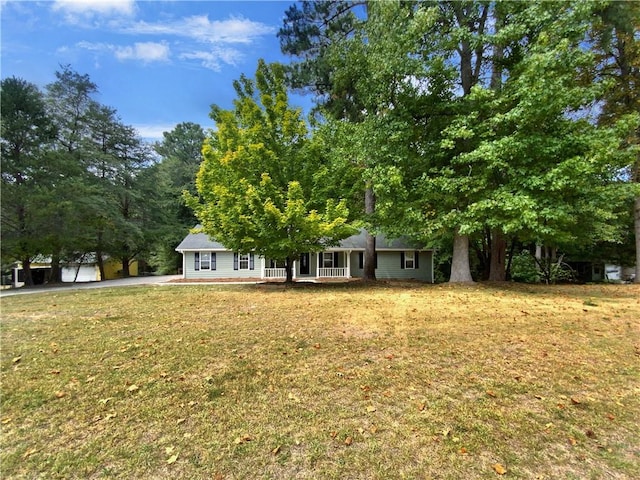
[334,272]
[275,273]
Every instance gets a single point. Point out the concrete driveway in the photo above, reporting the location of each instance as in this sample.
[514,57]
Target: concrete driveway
[121,282]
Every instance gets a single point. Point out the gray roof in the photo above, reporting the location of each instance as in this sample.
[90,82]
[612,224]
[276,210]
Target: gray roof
[359,242]
[201,241]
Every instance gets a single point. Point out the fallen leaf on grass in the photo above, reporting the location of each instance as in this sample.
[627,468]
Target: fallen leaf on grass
[610,417]
[133,388]
[16,359]
[463,451]
[575,401]
[172,459]
[242,439]
[348,441]
[29,452]
[572,441]
[499,468]
[491,393]
[60,394]
[276,450]
[371,409]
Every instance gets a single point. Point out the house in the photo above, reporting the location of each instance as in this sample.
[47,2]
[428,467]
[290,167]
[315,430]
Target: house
[204,258]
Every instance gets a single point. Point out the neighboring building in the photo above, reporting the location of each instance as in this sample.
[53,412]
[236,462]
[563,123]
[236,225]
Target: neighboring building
[203,258]
[74,272]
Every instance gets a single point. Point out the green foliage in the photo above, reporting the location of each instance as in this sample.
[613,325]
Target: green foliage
[524,268]
[256,183]
[181,154]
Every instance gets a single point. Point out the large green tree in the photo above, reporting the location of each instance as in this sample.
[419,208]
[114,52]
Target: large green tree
[180,154]
[26,132]
[256,183]
[616,40]
[314,34]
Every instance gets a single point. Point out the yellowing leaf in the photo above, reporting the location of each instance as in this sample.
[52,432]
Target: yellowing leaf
[60,394]
[17,359]
[499,468]
[133,388]
[371,409]
[242,439]
[348,441]
[172,459]
[29,452]
[276,450]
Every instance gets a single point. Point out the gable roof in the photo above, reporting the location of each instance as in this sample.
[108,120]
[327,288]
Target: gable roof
[201,241]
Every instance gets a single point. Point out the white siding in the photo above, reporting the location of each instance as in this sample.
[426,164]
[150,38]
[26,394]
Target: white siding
[224,267]
[389,267]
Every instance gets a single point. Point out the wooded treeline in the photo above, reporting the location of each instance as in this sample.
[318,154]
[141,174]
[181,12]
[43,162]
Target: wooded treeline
[80,186]
[484,129]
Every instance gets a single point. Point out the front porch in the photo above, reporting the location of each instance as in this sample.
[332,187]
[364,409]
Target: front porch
[324,265]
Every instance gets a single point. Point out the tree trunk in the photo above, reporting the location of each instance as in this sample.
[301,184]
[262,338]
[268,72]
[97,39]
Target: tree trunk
[26,272]
[125,267]
[288,268]
[369,273]
[55,274]
[100,262]
[497,269]
[460,269]
[637,231]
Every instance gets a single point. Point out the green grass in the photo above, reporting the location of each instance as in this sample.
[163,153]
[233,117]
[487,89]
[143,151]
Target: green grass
[327,381]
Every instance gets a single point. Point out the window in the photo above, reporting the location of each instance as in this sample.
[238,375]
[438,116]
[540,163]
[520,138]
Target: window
[243,261]
[204,261]
[327,260]
[409,260]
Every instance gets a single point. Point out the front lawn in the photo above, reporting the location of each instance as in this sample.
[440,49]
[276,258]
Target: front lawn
[322,381]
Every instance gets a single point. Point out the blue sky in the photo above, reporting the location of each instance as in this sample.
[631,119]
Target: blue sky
[158,63]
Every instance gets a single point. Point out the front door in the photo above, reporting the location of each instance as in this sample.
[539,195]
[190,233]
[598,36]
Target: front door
[304,264]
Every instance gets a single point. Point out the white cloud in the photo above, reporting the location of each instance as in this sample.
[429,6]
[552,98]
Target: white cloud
[153,132]
[145,51]
[200,28]
[214,58]
[77,11]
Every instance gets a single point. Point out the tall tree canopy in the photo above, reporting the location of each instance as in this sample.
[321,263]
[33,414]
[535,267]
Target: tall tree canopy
[26,133]
[256,183]
[180,154]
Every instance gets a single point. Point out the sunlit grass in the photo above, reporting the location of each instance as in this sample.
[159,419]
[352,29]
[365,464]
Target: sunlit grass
[326,381]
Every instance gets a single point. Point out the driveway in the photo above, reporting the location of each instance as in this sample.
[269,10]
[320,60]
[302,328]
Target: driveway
[121,282]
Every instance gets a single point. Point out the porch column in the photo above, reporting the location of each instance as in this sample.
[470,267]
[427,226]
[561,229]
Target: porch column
[184,266]
[262,267]
[295,263]
[348,273]
[317,264]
